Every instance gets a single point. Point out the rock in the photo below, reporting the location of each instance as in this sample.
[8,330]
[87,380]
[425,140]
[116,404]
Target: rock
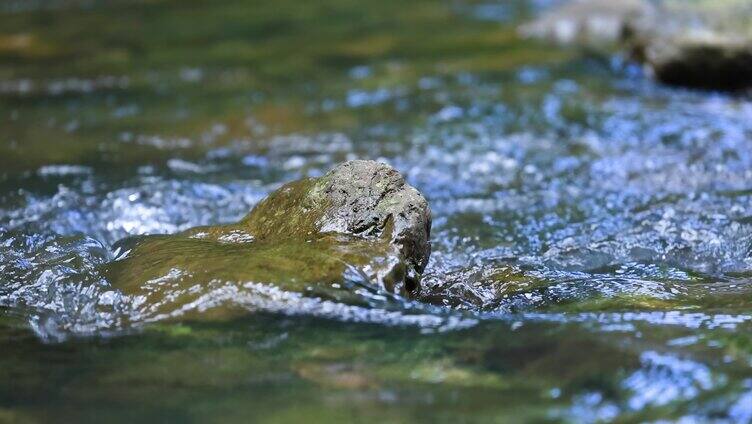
[703,44]
[710,61]
[361,221]
[588,22]
[361,198]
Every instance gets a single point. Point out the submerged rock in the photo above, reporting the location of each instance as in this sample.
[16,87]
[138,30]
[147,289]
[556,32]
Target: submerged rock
[703,44]
[359,226]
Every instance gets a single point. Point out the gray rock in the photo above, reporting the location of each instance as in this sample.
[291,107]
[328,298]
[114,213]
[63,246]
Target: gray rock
[703,44]
[361,198]
[709,62]
[589,23]
[368,197]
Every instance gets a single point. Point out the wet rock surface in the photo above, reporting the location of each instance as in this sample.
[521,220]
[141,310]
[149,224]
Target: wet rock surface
[359,198]
[701,44]
[358,226]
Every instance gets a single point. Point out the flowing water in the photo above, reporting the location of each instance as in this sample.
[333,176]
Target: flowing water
[592,237]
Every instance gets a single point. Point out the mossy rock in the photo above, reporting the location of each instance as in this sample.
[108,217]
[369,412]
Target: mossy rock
[359,225]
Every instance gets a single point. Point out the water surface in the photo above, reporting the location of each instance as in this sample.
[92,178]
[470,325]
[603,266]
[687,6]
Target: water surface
[592,229]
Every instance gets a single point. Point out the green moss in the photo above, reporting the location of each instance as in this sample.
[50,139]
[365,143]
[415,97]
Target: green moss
[624,302]
[162,267]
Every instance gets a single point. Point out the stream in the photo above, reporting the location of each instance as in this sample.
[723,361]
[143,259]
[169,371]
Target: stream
[592,229]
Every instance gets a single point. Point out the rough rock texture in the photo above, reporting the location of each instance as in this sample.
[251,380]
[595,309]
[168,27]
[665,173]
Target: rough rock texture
[359,225]
[704,44]
[361,198]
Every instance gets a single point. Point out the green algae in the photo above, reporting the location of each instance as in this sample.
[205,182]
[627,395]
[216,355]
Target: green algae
[267,368]
[293,265]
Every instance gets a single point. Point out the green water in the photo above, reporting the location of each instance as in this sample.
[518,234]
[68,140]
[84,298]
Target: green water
[592,237]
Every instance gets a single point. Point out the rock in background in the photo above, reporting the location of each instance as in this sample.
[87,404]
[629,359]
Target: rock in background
[703,44]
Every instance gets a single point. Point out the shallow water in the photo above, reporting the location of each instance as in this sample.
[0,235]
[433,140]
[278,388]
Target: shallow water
[592,230]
